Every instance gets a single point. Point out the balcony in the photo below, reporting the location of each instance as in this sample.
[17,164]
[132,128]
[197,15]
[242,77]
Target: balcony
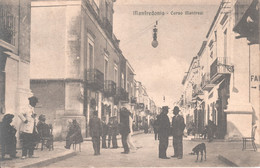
[219,69]
[94,79]
[196,91]
[108,26]
[205,82]
[133,100]
[109,88]
[122,94]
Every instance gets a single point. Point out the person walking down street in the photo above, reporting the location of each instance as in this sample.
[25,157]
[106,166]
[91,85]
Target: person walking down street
[7,137]
[129,137]
[178,127]
[112,132]
[104,133]
[28,128]
[155,128]
[164,128]
[124,128]
[95,126]
[211,130]
[74,134]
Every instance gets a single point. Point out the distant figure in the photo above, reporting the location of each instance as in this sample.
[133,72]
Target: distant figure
[164,128]
[112,132]
[43,129]
[28,128]
[178,127]
[104,132]
[95,126]
[211,130]
[204,132]
[74,134]
[7,137]
[129,137]
[156,127]
[124,128]
[146,127]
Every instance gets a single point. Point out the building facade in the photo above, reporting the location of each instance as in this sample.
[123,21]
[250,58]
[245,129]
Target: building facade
[228,64]
[15,18]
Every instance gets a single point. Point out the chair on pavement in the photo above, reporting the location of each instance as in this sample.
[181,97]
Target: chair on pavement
[74,144]
[46,139]
[250,139]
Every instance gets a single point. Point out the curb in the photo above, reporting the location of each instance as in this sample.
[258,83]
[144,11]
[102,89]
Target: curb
[227,161]
[48,161]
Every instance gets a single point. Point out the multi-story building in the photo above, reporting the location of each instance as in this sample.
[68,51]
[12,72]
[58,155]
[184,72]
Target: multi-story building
[229,68]
[15,18]
[76,62]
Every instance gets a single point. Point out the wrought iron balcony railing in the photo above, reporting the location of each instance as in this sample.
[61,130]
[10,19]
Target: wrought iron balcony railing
[219,68]
[122,94]
[109,88]
[94,79]
[133,100]
[205,82]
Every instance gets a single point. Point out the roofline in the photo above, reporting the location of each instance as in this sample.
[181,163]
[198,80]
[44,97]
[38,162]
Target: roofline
[215,19]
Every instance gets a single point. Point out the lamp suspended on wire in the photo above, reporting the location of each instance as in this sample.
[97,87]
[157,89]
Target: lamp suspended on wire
[155,42]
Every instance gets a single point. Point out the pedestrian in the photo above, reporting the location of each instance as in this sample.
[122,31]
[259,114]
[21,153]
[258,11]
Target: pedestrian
[115,133]
[129,137]
[124,128]
[164,128]
[95,126]
[155,128]
[211,130]
[7,137]
[104,132]
[178,127]
[28,128]
[74,134]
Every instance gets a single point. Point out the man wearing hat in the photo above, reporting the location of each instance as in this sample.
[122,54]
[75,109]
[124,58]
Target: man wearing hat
[95,126]
[178,126]
[28,128]
[164,128]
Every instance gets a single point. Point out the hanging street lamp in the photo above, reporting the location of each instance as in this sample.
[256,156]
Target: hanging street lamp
[155,42]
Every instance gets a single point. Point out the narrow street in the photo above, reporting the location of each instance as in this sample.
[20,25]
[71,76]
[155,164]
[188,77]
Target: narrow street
[145,156]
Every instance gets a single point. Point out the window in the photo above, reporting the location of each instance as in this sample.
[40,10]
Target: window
[115,74]
[90,59]
[106,68]
[7,25]
[225,43]
[122,80]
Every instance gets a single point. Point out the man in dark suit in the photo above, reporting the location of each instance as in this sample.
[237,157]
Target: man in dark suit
[95,126]
[124,128]
[178,126]
[164,127]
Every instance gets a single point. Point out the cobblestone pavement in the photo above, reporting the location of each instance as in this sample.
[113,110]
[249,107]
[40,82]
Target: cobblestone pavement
[145,156]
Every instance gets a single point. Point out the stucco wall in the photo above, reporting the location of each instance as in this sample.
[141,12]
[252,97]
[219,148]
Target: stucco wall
[48,30]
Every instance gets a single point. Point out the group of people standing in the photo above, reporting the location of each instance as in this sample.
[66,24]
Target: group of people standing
[99,129]
[30,132]
[165,130]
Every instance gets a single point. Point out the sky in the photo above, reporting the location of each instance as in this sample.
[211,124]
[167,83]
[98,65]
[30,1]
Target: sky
[180,37]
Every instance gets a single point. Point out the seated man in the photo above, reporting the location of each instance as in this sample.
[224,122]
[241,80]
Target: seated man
[74,135]
[44,130]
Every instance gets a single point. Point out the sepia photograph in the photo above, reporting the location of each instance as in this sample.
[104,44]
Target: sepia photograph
[129,83]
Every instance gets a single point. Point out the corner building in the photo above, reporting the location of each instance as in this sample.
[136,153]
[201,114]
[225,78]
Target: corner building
[75,61]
